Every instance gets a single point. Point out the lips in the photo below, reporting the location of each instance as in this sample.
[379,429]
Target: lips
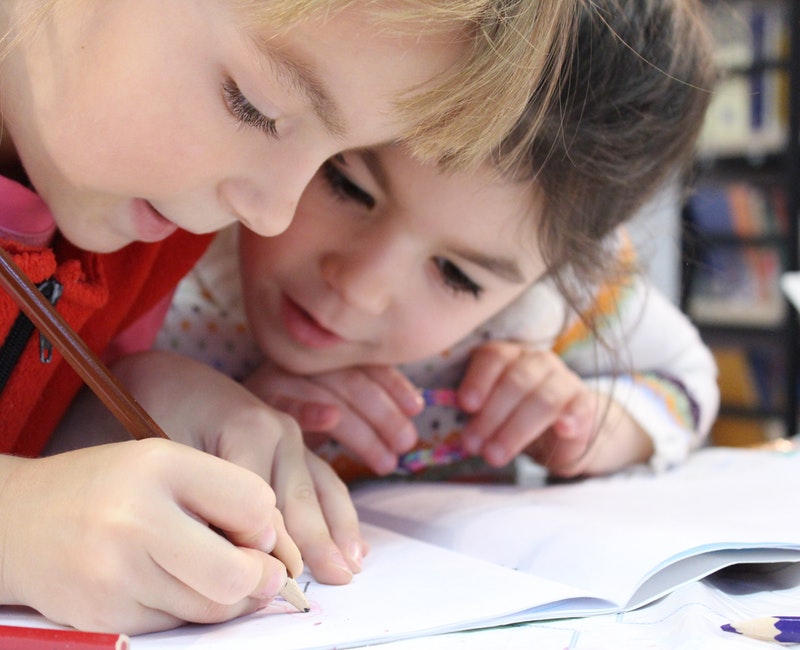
[149,223]
[303,328]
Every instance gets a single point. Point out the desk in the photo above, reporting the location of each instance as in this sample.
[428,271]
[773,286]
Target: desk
[386,601]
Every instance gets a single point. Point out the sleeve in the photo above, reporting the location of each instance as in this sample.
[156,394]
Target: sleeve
[650,359]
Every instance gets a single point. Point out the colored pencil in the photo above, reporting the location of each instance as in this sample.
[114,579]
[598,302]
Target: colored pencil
[439,397]
[783,629]
[82,359]
[93,371]
[38,638]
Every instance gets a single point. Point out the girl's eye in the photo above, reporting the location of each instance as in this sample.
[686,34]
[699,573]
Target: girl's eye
[456,279]
[345,189]
[245,112]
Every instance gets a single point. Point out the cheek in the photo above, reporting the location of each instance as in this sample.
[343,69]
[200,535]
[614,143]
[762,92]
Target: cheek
[423,333]
[429,329]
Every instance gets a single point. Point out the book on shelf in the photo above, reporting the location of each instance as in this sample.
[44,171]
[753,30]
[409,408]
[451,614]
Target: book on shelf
[742,208]
[740,431]
[748,114]
[737,286]
[448,557]
[739,225]
[750,376]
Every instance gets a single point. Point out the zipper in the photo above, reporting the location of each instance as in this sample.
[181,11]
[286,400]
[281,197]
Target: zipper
[21,331]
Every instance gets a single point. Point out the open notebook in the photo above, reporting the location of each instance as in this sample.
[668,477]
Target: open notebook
[449,557]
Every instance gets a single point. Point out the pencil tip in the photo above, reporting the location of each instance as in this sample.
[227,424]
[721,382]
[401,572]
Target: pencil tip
[729,628]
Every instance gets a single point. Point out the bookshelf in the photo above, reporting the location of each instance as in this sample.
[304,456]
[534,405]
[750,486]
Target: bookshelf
[740,223]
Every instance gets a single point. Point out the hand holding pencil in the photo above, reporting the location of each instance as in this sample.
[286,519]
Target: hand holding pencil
[187,571]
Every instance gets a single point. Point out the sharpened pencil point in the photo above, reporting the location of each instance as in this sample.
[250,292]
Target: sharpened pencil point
[293,595]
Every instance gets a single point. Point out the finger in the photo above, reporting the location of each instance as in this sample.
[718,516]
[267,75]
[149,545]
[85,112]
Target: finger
[304,516]
[180,601]
[340,512]
[311,416]
[285,547]
[564,456]
[204,561]
[538,412]
[362,440]
[371,403]
[519,382]
[228,496]
[399,387]
[486,366]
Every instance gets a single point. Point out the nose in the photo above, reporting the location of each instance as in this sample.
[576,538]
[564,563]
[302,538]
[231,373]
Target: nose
[364,276]
[265,201]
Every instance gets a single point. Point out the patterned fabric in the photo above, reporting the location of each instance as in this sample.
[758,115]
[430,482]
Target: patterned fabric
[644,353]
[206,319]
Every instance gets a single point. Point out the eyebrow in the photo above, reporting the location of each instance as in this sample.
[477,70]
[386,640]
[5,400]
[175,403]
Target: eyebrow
[501,267]
[303,78]
[506,269]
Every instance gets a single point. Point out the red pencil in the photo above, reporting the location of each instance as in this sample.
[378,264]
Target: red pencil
[39,638]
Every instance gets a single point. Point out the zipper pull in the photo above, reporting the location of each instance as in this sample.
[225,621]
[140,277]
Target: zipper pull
[52,290]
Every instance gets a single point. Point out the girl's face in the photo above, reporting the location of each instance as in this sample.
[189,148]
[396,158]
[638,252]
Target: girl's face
[388,261]
[134,117]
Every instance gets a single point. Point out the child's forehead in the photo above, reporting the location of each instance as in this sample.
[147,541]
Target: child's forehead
[512,50]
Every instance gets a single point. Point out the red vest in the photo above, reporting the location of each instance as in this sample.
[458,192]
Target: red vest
[103,294]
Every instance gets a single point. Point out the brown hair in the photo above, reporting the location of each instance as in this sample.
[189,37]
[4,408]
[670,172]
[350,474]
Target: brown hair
[632,99]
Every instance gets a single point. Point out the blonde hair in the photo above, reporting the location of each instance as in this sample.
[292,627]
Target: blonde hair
[517,49]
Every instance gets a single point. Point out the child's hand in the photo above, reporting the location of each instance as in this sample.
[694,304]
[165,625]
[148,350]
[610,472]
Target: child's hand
[366,409]
[527,400]
[116,537]
[197,405]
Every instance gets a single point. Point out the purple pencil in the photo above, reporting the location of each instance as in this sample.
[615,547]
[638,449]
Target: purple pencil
[783,629]
[439,397]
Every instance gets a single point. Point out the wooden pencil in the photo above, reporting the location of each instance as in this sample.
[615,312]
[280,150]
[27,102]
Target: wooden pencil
[38,638]
[83,360]
[93,371]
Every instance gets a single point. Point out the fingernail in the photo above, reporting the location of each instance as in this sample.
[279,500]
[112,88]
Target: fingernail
[406,438]
[495,454]
[386,465]
[267,539]
[469,399]
[356,552]
[471,443]
[337,560]
[412,403]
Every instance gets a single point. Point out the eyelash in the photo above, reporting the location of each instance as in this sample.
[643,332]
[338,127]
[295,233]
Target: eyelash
[345,190]
[247,114]
[456,279]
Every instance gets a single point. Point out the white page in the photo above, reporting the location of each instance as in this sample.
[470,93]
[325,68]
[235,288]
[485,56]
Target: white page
[606,536]
[407,588]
